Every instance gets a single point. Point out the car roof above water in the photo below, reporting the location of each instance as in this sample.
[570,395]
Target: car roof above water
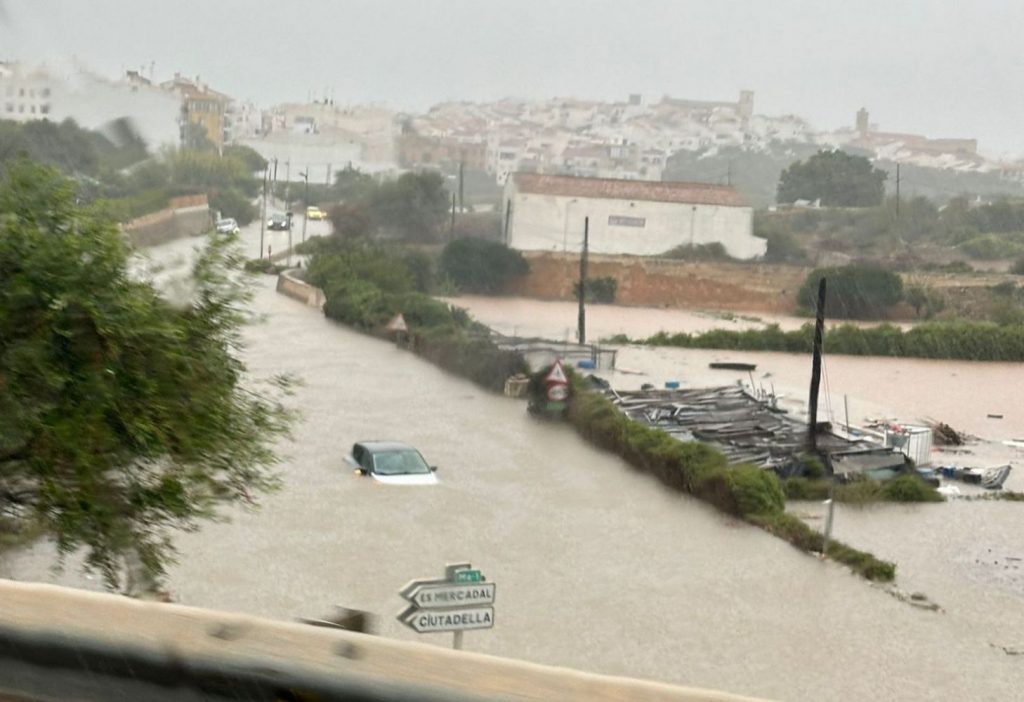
[381,446]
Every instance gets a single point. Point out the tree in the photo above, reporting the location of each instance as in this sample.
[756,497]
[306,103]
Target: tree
[836,177]
[125,417]
[413,207]
[854,292]
[480,266]
[351,220]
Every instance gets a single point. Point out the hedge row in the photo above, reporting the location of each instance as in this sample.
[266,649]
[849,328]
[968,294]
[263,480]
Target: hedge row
[445,335]
[958,340]
[745,491]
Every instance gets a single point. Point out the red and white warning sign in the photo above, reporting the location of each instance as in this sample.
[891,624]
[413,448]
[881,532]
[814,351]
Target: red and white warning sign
[556,375]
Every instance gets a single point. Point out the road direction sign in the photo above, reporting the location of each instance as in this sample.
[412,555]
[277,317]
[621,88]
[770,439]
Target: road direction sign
[468,576]
[452,595]
[427,621]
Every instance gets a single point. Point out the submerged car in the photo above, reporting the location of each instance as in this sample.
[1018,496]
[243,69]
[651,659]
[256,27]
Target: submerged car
[279,221]
[392,462]
[227,226]
[315,213]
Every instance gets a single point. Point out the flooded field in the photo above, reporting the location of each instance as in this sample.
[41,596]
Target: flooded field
[597,567]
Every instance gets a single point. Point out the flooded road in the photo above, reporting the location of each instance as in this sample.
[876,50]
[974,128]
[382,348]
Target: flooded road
[597,567]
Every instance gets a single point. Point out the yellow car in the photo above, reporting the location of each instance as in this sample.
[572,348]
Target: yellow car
[315,213]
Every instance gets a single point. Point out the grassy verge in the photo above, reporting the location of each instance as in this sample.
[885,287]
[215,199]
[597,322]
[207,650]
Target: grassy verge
[956,340]
[906,488]
[366,286]
[747,492]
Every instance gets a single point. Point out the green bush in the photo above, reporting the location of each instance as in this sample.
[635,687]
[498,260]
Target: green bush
[714,251]
[910,488]
[600,290]
[231,202]
[479,266]
[853,292]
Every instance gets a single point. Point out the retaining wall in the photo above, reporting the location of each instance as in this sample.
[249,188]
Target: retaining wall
[654,282]
[288,284]
[187,216]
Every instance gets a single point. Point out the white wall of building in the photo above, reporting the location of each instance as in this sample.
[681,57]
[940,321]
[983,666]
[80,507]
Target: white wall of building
[91,101]
[639,227]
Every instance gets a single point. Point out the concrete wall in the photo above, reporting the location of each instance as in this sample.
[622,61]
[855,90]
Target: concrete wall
[555,223]
[169,224]
[300,290]
[60,643]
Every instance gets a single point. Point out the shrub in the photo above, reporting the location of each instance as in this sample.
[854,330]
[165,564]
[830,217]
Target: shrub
[480,266]
[601,290]
[853,292]
[1018,267]
[910,488]
[713,251]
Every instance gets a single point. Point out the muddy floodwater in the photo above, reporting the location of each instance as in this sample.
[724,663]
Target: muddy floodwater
[596,566]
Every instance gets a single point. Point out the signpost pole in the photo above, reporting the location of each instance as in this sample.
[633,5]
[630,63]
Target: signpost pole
[457,641]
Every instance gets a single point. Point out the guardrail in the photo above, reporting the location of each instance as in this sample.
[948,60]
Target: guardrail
[59,643]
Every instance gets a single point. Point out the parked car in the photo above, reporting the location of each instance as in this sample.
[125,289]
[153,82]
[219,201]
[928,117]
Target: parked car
[279,221]
[391,462]
[227,226]
[315,213]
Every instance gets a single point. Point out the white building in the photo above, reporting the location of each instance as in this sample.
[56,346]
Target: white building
[642,218]
[91,101]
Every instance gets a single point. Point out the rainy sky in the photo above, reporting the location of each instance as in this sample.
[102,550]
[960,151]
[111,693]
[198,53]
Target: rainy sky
[937,67]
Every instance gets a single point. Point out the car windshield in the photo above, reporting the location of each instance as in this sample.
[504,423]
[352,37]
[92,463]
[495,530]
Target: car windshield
[401,462]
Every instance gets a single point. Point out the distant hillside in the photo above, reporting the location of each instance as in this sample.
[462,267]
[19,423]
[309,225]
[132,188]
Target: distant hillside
[755,173]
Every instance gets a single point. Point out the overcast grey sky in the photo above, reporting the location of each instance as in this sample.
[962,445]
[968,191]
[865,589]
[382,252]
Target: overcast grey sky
[937,67]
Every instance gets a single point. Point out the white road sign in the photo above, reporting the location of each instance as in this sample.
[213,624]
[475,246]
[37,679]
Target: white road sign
[452,595]
[426,621]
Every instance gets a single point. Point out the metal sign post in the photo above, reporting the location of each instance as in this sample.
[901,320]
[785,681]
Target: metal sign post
[460,601]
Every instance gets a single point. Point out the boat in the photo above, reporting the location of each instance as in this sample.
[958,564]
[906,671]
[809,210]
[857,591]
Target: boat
[732,365]
[988,478]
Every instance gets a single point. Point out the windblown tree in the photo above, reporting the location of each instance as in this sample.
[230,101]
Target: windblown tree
[124,417]
[836,178]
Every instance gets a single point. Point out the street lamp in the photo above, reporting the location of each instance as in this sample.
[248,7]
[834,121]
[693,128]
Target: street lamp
[305,201]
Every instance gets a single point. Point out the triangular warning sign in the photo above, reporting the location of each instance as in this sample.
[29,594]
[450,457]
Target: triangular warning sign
[557,374]
[397,323]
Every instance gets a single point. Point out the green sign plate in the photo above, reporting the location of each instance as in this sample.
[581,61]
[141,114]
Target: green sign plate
[468,576]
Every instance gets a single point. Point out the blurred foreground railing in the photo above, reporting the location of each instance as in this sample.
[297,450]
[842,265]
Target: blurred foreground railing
[58,643]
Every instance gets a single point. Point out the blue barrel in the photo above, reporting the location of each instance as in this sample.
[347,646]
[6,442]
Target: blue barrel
[586,363]
[671,384]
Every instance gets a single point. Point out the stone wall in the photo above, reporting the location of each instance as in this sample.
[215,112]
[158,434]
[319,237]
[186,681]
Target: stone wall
[650,282]
[186,216]
[288,284]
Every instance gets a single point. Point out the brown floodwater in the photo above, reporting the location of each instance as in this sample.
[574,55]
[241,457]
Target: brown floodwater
[597,567]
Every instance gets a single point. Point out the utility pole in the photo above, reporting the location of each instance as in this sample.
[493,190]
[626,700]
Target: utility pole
[287,186]
[263,218]
[462,204]
[582,320]
[897,190]
[819,331]
[451,227]
[327,176]
[728,175]
[305,201]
